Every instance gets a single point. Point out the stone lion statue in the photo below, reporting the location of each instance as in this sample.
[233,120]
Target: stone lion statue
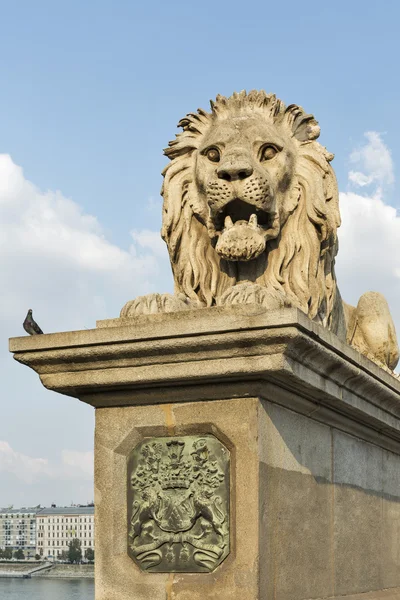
[251,215]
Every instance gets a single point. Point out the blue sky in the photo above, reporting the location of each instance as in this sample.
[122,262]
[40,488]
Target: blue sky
[91,94]
[92,91]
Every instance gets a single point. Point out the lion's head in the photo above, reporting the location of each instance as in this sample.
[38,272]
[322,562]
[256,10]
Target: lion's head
[249,195]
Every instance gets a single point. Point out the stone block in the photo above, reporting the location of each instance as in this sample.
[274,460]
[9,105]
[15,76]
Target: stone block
[390,533]
[358,505]
[297,502]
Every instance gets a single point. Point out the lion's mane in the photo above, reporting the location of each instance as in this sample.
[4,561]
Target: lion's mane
[300,262]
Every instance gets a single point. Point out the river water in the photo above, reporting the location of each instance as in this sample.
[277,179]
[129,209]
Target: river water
[46,589]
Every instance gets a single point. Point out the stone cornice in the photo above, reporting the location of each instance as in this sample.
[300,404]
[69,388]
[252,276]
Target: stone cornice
[228,348]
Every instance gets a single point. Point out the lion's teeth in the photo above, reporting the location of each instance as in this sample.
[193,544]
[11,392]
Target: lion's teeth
[228,222]
[253,221]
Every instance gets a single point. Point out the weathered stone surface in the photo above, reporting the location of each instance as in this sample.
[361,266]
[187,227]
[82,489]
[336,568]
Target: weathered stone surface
[315,527]
[327,522]
[357,514]
[296,505]
[251,211]
[390,532]
[118,431]
[235,348]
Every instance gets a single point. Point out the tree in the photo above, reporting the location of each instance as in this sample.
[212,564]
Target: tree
[74,551]
[19,554]
[89,554]
[8,554]
[37,556]
[64,556]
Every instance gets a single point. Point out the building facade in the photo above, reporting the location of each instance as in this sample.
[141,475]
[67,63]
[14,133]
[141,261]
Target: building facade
[18,530]
[56,527]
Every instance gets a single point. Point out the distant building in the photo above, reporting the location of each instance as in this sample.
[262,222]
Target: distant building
[18,530]
[56,527]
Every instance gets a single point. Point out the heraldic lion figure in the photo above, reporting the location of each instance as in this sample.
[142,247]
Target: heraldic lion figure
[251,215]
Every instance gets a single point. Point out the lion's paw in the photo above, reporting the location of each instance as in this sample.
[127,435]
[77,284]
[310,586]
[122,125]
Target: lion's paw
[252,293]
[155,303]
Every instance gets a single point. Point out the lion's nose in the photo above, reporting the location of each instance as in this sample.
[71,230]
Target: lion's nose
[233,171]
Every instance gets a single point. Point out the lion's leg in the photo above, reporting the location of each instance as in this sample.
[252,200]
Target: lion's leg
[370,329]
[252,293]
[155,303]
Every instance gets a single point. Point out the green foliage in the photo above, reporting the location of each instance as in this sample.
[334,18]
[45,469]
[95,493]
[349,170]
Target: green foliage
[8,554]
[19,554]
[89,554]
[37,557]
[64,556]
[74,551]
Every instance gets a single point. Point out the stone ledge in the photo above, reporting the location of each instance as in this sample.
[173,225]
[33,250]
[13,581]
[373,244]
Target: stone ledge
[238,346]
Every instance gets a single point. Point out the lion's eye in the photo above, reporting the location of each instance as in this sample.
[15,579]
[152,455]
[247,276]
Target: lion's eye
[213,154]
[268,151]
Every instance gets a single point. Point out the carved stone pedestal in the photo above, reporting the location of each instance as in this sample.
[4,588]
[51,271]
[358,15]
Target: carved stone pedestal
[239,454]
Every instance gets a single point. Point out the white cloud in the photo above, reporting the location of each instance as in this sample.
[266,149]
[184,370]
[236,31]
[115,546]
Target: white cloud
[374,162]
[151,240]
[73,465]
[55,258]
[369,249]
[360,179]
[24,467]
[369,254]
[78,463]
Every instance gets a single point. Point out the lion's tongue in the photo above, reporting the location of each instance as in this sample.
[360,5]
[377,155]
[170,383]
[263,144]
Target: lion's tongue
[240,241]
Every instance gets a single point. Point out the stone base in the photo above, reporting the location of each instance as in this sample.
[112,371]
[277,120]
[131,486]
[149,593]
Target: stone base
[315,511]
[313,431]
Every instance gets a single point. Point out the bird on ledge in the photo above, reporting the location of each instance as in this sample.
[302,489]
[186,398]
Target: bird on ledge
[30,324]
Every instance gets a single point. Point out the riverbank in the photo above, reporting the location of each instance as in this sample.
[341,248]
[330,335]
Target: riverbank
[45,570]
[67,571]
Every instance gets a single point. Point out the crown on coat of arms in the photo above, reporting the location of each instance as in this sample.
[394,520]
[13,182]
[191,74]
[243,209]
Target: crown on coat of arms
[174,472]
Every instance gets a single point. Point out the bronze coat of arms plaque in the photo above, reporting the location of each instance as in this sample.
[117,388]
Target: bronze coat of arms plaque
[178,504]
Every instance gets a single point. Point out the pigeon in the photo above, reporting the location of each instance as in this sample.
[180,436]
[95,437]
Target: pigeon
[30,324]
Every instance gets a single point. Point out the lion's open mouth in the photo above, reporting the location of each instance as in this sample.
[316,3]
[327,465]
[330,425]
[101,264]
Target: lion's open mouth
[242,230]
[238,210]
